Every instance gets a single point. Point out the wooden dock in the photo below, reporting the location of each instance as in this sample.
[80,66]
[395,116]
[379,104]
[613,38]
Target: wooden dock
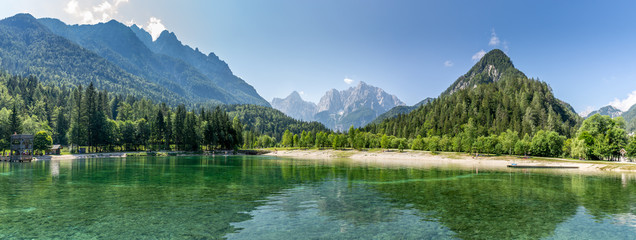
[538,166]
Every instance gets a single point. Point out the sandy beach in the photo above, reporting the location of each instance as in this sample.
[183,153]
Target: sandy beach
[410,158]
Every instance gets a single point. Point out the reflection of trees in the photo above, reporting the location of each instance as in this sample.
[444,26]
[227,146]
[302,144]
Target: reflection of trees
[488,206]
[135,197]
[605,196]
[200,197]
[355,204]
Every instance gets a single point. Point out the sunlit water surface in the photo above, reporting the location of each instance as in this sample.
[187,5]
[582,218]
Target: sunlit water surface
[270,198]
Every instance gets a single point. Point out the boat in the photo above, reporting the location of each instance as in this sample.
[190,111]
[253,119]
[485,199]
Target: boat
[538,166]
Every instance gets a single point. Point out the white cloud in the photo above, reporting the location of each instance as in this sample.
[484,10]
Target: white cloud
[117,2]
[155,27]
[494,40]
[105,6]
[72,7]
[102,12]
[348,81]
[301,92]
[479,55]
[626,103]
[448,63]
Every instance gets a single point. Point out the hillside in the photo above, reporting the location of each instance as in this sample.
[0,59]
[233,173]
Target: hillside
[269,121]
[210,66]
[119,122]
[394,112]
[630,118]
[114,57]
[491,98]
[29,48]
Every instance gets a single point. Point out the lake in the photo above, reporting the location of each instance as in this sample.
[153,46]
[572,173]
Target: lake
[258,197]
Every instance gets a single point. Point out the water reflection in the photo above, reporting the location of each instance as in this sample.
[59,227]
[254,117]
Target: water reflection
[335,209]
[269,198]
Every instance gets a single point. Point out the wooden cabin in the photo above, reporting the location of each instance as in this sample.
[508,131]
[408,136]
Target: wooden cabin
[21,148]
[55,150]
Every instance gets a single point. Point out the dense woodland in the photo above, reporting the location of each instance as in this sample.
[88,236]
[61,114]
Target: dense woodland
[85,116]
[516,103]
[513,115]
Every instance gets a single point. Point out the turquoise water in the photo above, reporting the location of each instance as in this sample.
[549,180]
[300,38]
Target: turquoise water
[270,198]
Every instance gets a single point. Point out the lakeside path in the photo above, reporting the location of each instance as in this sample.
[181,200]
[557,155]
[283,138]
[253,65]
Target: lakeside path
[425,159]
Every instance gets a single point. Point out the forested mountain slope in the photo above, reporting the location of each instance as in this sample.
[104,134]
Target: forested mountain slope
[29,48]
[114,58]
[89,117]
[493,97]
[394,112]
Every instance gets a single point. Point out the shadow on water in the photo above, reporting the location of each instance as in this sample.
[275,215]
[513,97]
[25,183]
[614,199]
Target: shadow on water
[267,198]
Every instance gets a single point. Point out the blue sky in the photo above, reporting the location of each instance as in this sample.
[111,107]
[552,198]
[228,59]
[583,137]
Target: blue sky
[585,50]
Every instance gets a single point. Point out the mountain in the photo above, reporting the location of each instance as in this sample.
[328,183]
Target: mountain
[394,112]
[338,110]
[209,65]
[112,57]
[294,106]
[355,106]
[491,98]
[606,111]
[490,68]
[29,48]
[630,118]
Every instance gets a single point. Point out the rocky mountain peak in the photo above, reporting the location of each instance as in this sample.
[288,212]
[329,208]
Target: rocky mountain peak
[168,38]
[490,68]
[295,107]
[608,110]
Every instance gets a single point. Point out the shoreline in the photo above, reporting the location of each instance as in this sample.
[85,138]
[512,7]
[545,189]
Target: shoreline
[410,158]
[407,158]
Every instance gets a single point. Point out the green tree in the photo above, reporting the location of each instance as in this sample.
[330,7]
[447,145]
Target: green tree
[522,147]
[578,149]
[288,139]
[15,124]
[351,135]
[547,144]
[158,129]
[508,139]
[238,131]
[60,128]
[418,143]
[296,141]
[384,142]
[42,141]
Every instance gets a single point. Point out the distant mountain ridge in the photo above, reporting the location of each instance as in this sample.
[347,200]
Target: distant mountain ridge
[295,107]
[608,110]
[120,59]
[338,110]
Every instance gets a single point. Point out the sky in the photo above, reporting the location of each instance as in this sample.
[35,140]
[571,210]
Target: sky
[414,49]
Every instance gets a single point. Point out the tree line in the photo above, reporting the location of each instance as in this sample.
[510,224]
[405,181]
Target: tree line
[101,121]
[89,117]
[598,138]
